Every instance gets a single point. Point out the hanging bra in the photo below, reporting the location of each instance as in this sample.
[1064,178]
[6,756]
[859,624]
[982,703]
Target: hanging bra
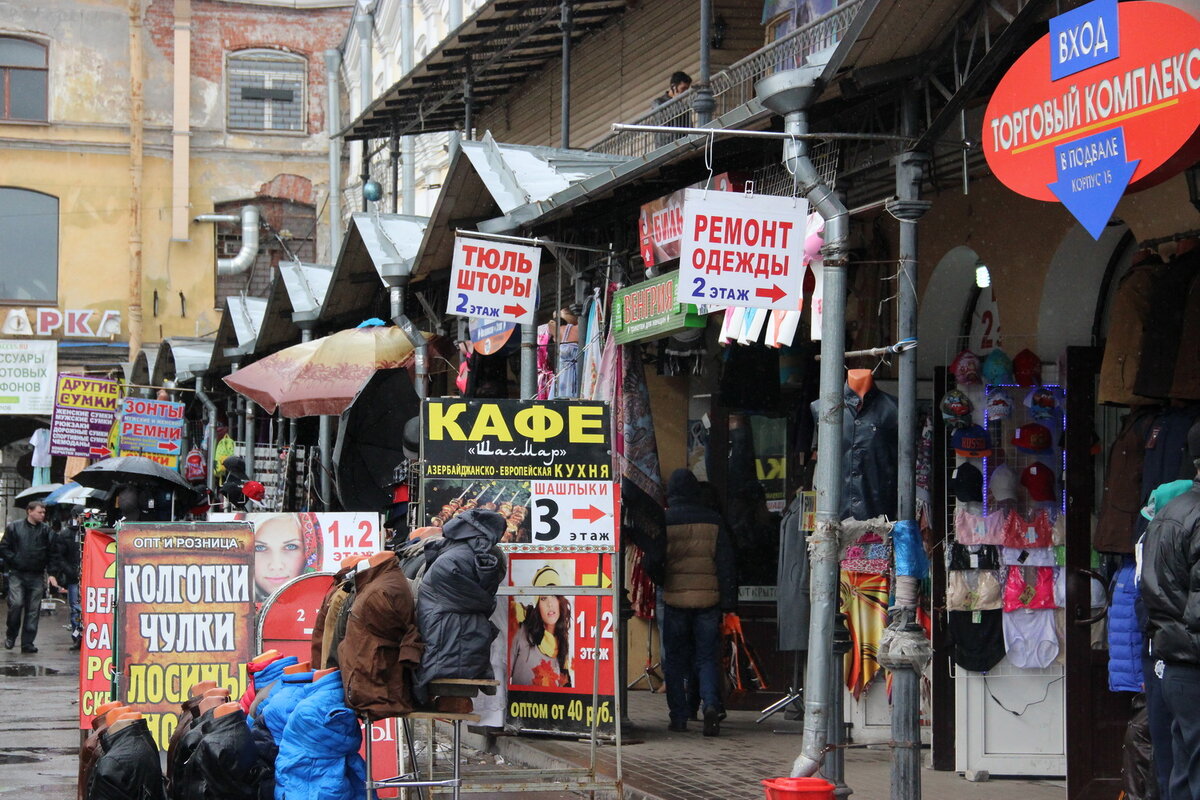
[1032,557]
[1030,638]
[1029,587]
[977,529]
[1027,534]
[978,556]
[974,590]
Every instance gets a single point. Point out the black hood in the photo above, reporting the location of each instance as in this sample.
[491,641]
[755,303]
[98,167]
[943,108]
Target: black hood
[473,523]
[235,466]
[682,487]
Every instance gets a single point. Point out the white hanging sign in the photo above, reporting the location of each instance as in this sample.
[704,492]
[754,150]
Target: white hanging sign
[742,250]
[494,280]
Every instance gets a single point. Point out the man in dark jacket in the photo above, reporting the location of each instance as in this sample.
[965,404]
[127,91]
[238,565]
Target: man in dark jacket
[67,555]
[28,551]
[1171,596]
[700,582]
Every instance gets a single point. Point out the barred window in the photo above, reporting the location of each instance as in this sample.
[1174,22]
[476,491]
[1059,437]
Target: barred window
[266,91]
[23,80]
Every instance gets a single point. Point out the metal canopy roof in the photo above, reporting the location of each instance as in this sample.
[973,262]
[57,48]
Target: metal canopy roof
[306,286]
[377,249]
[181,358]
[500,46]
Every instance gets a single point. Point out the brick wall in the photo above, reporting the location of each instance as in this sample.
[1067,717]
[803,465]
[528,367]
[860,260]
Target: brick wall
[221,28]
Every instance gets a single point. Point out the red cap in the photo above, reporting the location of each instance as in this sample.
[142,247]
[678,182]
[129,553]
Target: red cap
[1038,480]
[1032,438]
[1027,368]
[254,490]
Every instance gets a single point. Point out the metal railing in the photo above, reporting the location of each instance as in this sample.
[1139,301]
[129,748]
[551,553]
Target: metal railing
[734,86]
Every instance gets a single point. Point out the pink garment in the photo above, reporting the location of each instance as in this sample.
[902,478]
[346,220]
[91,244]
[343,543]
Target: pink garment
[1026,534]
[977,529]
[1029,588]
[545,370]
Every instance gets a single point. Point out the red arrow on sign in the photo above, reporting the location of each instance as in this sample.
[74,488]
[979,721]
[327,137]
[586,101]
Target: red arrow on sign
[591,513]
[515,311]
[103,452]
[170,447]
[775,293]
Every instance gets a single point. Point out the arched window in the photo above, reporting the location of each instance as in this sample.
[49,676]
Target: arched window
[267,91]
[23,80]
[28,246]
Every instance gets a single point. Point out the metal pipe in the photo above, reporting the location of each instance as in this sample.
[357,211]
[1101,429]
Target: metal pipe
[419,342]
[823,546]
[251,431]
[454,18]
[245,256]
[137,107]
[210,431]
[181,122]
[408,144]
[528,362]
[703,103]
[567,24]
[366,68]
[619,127]
[333,69]
[468,86]
[324,437]
[535,241]
[394,166]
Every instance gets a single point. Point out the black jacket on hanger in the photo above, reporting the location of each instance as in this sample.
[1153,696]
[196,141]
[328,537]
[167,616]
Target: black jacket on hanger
[228,760]
[129,768]
[870,431]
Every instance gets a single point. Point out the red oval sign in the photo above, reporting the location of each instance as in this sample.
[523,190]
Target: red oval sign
[1151,91]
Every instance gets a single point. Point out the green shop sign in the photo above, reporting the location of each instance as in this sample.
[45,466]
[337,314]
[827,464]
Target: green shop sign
[649,311]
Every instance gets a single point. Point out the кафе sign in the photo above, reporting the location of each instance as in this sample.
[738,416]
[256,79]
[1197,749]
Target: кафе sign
[1106,103]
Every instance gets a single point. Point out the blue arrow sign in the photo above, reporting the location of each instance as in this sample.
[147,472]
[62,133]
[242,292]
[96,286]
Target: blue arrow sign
[1092,175]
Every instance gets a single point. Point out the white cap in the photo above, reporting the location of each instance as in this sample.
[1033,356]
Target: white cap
[1003,483]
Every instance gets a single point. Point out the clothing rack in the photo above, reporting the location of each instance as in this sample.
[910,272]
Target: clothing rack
[1175,237]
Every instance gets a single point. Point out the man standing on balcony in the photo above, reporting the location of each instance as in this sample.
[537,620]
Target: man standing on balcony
[680,83]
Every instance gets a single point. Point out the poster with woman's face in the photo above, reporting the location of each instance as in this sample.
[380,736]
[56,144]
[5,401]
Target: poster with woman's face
[540,626]
[287,545]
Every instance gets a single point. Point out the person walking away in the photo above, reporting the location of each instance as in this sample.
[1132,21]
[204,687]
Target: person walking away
[1171,598]
[28,550]
[67,555]
[700,582]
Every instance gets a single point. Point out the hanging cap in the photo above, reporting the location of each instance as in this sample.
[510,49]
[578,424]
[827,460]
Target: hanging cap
[1038,480]
[1003,484]
[997,367]
[971,442]
[956,409]
[999,404]
[1027,368]
[254,490]
[1032,438]
[967,483]
[965,367]
[1042,404]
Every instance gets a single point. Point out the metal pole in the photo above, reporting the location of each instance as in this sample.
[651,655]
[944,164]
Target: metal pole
[364,24]
[567,24]
[905,649]
[408,143]
[528,362]
[333,65]
[251,424]
[789,93]
[703,103]
[454,18]
[394,165]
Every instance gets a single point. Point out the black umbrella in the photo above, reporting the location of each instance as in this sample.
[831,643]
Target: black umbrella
[370,440]
[112,472]
[34,493]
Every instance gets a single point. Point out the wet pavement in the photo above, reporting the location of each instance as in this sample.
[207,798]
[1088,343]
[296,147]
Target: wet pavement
[39,703]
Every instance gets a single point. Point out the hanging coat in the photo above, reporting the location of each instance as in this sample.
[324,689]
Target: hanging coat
[189,713]
[282,700]
[382,647]
[318,756]
[323,625]
[187,781]
[129,768]
[1125,644]
[228,760]
[90,752]
[463,571]
[252,670]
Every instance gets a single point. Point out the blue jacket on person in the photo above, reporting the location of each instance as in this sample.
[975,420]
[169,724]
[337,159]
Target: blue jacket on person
[318,756]
[1125,642]
[283,699]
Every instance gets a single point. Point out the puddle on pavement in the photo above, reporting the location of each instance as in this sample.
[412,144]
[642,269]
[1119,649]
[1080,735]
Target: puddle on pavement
[12,758]
[25,670]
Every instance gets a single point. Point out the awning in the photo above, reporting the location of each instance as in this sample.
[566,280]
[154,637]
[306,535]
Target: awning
[181,359]
[238,329]
[377,249]
[306,285]
[497,49]
[488,180]
[142,368]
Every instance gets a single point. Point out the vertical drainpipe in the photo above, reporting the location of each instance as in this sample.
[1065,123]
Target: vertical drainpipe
[181,124]
[420,345]
[251,423]
[394,166]
[366,78]
[789,93]
[136,112]
[333,69]
[703,103]
[408,42]
[904,650]
[567,22]
[324,435]
[454,18]
[210,427]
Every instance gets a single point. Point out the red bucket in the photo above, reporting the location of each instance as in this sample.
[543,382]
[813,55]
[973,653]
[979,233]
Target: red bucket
[798,789]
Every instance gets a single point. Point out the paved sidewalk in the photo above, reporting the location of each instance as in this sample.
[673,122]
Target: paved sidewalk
[661,765]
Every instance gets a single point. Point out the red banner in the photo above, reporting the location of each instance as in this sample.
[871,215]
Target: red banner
[97,588]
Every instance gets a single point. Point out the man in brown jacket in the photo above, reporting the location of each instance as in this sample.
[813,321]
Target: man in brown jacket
[700,583]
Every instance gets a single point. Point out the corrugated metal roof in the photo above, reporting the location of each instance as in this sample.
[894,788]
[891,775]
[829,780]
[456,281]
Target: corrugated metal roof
[181,358]
[306,286]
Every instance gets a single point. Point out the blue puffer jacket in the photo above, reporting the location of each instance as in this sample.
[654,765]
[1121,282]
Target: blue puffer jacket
[283,699]
[318,757]
[1125,643]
